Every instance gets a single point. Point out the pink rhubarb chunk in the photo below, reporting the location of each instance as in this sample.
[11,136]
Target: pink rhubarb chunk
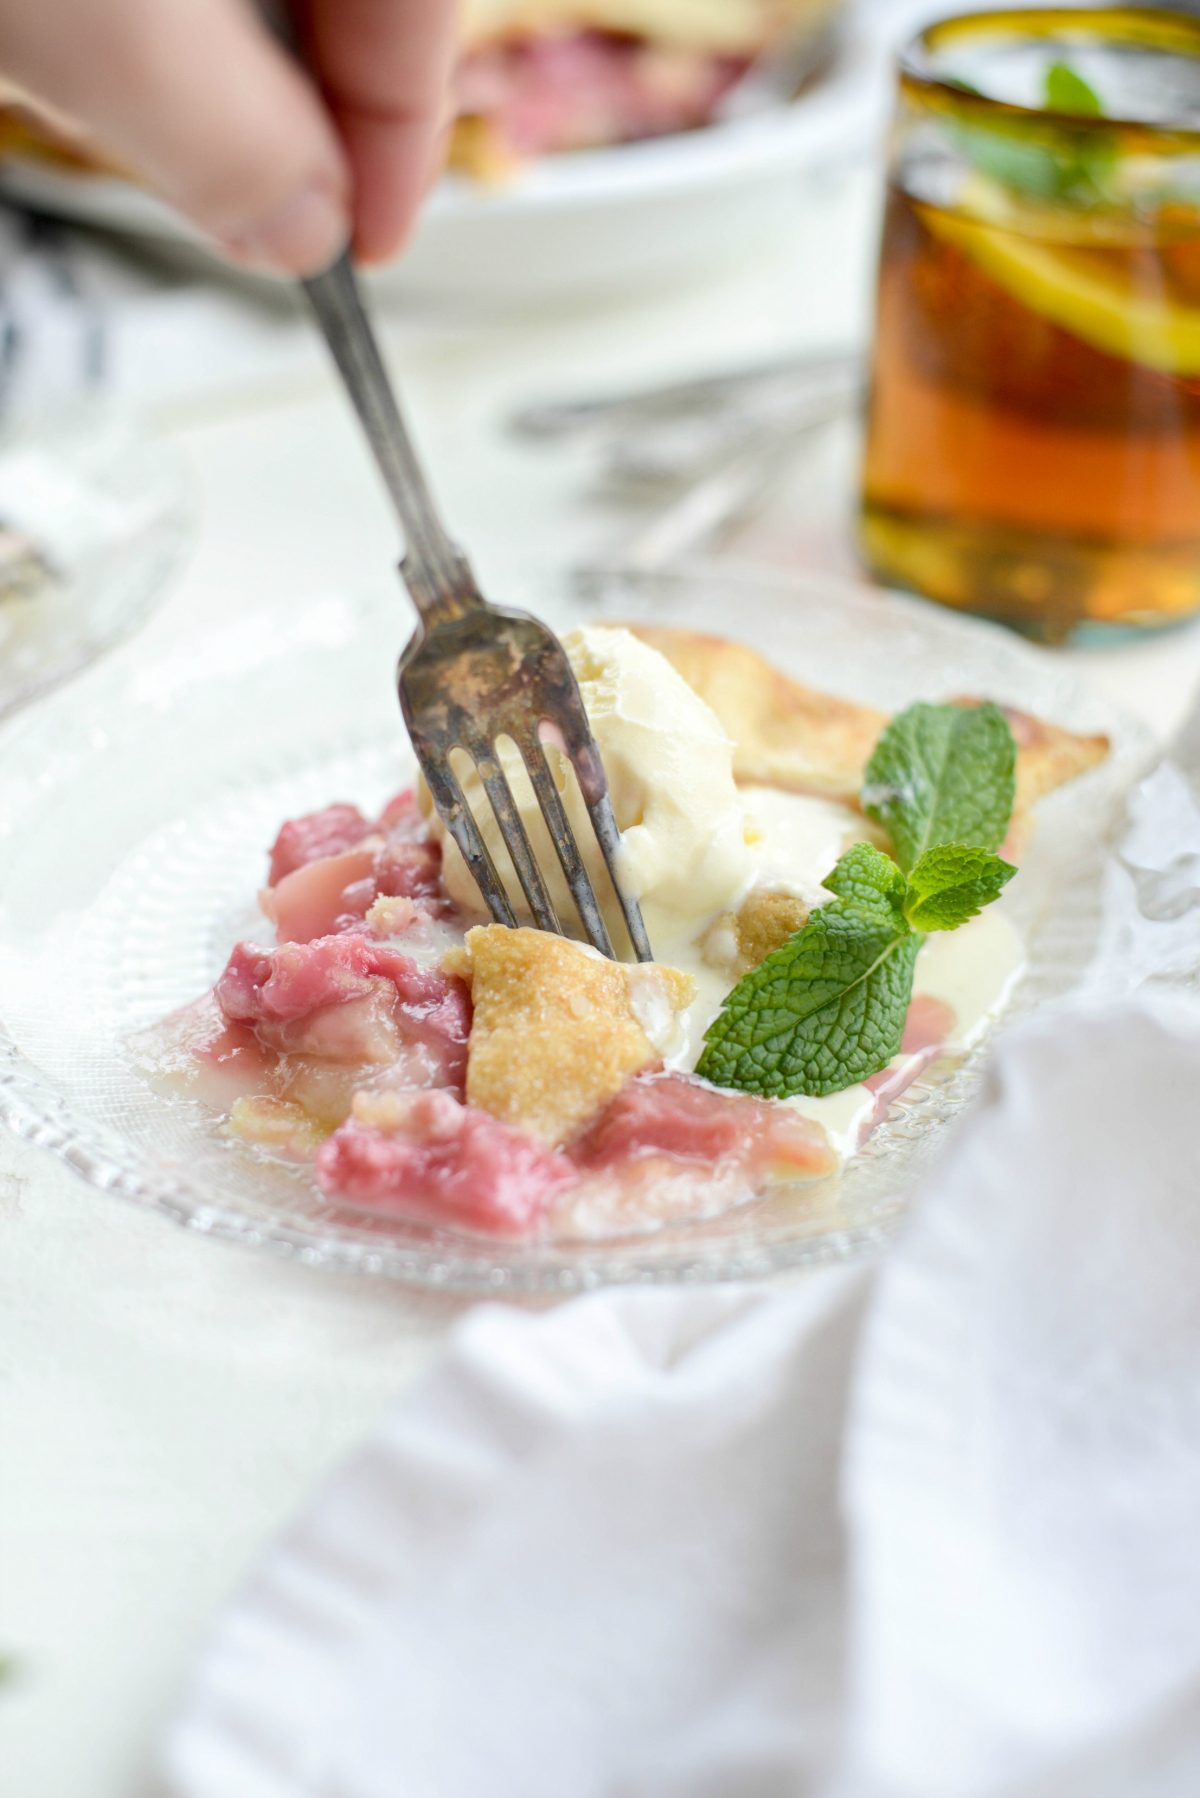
[428,1157]
[684,1120]
[348,998]
[320,897]
[329,867]
[330,831]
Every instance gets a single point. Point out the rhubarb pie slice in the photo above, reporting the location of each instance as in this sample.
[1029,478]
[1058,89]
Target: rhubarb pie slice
[433,1066]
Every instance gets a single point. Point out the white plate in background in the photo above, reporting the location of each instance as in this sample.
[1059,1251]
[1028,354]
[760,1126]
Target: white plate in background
[595,221]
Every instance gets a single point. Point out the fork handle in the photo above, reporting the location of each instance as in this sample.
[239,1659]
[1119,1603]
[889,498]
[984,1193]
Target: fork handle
[435,571]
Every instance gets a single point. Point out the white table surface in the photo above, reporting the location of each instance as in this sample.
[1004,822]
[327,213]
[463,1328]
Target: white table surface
[167,1403]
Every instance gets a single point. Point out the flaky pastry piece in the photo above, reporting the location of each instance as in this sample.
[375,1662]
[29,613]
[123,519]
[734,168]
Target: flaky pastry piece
[558,1029]
[792,736]
[1047,755]
[784,734]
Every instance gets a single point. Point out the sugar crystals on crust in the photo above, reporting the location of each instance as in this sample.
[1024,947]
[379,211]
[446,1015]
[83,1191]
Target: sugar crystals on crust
[557,1028]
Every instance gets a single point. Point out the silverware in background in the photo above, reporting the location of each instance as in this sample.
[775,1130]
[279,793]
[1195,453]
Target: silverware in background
[707,450]
[674,433]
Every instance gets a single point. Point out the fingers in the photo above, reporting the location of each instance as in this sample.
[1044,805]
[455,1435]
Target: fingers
[194,98]
[384,67]
[197,101]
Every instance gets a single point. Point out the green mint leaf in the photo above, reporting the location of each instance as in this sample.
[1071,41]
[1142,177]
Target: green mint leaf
[1046,162]
[866,877]
[1015,161]
[826,1009]
[952,883]
[942,774]
[1067,91]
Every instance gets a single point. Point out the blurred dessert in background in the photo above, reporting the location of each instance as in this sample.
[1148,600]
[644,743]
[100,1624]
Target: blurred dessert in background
[538,76]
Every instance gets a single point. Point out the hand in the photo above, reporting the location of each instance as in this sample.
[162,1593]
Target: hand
[198,101]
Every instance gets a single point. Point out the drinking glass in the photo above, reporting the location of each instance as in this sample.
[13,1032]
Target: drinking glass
[1033,448]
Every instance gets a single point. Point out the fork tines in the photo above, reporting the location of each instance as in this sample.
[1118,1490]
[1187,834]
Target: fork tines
[462,689]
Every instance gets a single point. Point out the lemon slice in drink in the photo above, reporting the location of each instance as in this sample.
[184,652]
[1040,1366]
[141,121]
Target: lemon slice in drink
[1067,280]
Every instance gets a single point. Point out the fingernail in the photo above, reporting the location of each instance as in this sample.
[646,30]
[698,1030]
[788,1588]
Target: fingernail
[302,235]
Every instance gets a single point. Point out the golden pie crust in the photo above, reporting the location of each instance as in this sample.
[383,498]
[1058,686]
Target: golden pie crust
[791,736]
[557,1028]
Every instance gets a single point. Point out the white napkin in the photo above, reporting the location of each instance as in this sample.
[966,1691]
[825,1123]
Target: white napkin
[1023,1474]
[911,1530]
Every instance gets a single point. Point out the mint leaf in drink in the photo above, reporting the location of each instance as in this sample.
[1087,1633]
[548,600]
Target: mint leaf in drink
[1067,91]
[953,883]
[1010,156]
[827,1009]
[1043,160]
[942,774]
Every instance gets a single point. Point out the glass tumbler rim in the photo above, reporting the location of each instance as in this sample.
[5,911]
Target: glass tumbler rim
[1139,27]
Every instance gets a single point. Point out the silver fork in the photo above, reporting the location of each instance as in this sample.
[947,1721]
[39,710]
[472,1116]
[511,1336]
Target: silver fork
[474,673]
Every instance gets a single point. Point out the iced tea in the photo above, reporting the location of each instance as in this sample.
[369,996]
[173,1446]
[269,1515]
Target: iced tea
[1034,433]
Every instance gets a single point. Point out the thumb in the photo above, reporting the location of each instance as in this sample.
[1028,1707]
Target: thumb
[196,101]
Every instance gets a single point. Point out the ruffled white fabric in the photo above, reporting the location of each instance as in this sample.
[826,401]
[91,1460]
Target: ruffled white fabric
[920,1530]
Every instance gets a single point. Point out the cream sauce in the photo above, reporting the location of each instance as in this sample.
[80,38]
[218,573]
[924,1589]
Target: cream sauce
[795,841]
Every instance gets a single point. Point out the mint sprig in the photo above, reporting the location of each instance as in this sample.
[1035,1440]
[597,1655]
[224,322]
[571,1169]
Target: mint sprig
[1044,163]
[827,1009]
[952,884]
[942,774]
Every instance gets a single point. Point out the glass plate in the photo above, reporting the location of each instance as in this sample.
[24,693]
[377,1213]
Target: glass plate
[134,817]
[106,509]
